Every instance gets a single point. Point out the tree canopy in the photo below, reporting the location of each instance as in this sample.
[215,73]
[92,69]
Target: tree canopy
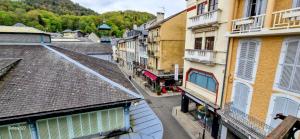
[56,16]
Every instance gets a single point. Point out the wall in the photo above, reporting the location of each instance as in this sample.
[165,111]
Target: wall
[171,53]
[265,77]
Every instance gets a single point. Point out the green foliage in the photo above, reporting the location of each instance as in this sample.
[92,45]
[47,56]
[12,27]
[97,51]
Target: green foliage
[56,16]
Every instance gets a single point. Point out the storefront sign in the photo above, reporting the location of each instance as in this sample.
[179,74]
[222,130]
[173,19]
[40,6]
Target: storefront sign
[176,72]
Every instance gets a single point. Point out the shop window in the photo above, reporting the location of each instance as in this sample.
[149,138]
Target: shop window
[290,67]
[198,43]
[213,5]
[203,80]
[201,8]
[209,45]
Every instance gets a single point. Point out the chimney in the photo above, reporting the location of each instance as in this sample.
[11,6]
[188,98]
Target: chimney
[160,16]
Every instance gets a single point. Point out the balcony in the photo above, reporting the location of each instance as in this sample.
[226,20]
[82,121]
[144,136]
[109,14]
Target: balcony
[204,19]
[286,19]
[202,56]
[244,123]
[248,24]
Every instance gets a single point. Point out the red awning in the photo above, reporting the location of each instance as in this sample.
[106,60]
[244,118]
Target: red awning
[150,75]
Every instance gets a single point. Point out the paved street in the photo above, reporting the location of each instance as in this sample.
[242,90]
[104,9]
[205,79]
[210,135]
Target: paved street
[163,108]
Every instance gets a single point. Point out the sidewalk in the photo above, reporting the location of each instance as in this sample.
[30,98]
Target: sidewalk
[140,82]
[188,123]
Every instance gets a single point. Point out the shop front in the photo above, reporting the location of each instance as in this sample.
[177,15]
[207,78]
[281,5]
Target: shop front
[203,112]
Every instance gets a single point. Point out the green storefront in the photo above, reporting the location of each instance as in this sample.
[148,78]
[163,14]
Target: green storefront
[70,126]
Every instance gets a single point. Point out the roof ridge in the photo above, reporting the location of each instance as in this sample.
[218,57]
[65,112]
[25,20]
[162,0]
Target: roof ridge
[95,73]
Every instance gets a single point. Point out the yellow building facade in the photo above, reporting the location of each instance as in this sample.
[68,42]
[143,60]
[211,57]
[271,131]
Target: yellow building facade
[166,40]
[263,74]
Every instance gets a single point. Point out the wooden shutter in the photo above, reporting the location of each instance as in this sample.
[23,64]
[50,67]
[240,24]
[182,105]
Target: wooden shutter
[279,106]
[286,107]
[290,73]
[241,95]
[247,60]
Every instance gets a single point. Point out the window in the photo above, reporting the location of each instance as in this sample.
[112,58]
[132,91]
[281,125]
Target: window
[198,43]
[203,80]
[255,7]
[209,44]
[296,3]
[241,96]
[201,8]
[213,5]
[247,60]
[285,106]
[290,67]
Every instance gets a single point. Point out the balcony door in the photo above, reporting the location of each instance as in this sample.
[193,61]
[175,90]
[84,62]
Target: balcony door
[296,3]
[255,7]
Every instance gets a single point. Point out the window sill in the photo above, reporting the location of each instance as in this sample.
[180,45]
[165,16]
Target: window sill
[278,90]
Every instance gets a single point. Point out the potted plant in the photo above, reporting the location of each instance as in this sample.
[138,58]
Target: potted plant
[158,90]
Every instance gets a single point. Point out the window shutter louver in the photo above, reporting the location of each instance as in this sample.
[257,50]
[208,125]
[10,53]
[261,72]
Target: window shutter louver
[292,108]
[290,73]
[279,106]
[241,95]
[247,60]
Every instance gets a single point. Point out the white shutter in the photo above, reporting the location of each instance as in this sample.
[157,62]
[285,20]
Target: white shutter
[296,3]
[247,60]
[290,73]
[246,8]
[279,106]
[292,108]
[241,95]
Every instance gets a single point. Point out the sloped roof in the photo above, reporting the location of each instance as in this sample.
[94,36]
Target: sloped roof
[157,24]
[18,29]
[84,47]
[45,81]
[105,68]
[104,27]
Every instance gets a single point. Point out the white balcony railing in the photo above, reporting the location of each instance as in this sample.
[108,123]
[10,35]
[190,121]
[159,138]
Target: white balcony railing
[286,19]
[202,56]
[248,24]
[204,19]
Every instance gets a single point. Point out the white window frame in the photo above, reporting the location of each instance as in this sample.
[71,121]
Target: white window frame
[250,94]
[258,41]
[272,103]
[279,67]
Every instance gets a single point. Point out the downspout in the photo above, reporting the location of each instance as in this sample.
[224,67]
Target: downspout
[225,73]
[33,129]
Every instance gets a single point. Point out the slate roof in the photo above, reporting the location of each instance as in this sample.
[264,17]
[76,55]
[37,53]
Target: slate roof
[84,47]
[5,62]
[44,81]
[104,27]
[20,29]
[105,68]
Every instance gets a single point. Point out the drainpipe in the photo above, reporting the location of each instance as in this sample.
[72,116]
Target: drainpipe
[225,73]
[33,129]
[127,118]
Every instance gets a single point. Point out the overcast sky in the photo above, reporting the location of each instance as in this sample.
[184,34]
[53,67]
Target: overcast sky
[151,6]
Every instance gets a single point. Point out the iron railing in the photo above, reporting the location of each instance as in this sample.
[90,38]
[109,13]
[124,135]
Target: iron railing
[250,123]
[248,24]
[286,19]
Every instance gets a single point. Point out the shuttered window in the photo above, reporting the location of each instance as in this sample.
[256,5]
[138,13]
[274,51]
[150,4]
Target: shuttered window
[241,96]
[286,107]
[296,3]
[290,67]
[247,60]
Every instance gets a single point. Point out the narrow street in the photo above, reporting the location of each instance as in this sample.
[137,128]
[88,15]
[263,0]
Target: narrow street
[163,108]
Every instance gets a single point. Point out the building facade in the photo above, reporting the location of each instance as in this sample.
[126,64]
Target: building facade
[262,77]
[205,60]
[165,50]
